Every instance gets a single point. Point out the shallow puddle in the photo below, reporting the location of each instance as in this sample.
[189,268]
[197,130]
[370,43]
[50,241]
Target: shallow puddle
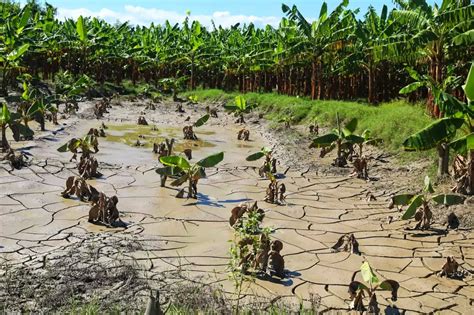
[144,136]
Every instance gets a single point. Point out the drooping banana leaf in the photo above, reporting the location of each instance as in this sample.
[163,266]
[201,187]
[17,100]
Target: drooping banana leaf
[433,134]
[211,160]
[367,274]
[463,144]
[177,161]
[390,285]
[324,141]
[201,121]
[415,203]
[449,199]
[255,156]
[469,86]
[402,200]
[180,181]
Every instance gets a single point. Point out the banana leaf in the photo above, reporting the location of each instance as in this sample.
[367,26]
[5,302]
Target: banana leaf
[211,160]
[433,134]
[176,161]
[201,121]
[449,199]
[415,203]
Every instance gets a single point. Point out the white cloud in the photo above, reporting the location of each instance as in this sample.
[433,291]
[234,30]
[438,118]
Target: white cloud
[144,16]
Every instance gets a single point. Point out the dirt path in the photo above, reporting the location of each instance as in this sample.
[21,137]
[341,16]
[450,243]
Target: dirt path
[35,222]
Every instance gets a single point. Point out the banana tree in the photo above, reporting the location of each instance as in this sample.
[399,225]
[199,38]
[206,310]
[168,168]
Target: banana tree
[269,165]
[342,139]
[190,173]
[14,43]
[431,32]
[239,108]
[418,204]
[69,88]
[437,135]
[12,121]
[358,290]
[29,107]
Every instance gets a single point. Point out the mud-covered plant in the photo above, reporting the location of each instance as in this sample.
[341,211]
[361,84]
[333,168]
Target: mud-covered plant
[251,243]
[188,131]
[275,192]
[418,205]
[358,290]
[190,173]
[104,211]
[239,108]
[11,121]
[347,243]
[341,138]
[269,164]
[88,165]
[76,185]
[16,159]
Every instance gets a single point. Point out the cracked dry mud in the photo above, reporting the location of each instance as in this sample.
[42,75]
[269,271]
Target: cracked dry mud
[36,222]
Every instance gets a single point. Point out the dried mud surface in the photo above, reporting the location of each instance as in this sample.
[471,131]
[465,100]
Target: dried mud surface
[169,240]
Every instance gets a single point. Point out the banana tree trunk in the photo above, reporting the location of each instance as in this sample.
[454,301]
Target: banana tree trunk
[313,79]
[192,84]
[470,172]
[371,84]
[443,159]
[4,81]
[5,145]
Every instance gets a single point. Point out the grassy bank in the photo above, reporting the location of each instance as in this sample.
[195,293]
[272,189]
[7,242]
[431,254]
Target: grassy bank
[392,122]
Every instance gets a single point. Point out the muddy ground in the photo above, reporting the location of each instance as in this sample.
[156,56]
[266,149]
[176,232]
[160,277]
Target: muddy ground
[52,258]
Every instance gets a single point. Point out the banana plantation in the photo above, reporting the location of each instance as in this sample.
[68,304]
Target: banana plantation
[324,164]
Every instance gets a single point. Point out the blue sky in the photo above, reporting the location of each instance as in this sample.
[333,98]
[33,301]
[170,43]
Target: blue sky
[224,12]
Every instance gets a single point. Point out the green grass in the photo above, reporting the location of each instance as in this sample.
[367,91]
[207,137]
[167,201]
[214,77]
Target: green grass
[392,122]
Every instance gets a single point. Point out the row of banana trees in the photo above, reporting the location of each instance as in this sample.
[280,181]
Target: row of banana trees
[340,55]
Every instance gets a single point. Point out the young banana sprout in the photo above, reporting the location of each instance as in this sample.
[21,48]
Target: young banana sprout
[358,290]
[188,131]
[340,138]
[418,205]
[269,165]
[239,108]
[190,173]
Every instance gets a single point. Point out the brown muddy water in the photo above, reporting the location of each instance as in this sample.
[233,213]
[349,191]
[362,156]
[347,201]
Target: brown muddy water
[193,235]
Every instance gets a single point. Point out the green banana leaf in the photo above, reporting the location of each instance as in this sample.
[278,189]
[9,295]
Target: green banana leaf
[201,121]
[324,141]
[415,203]
[176,161]
[367,274]
[448,199]
[433,134]
[211,160]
